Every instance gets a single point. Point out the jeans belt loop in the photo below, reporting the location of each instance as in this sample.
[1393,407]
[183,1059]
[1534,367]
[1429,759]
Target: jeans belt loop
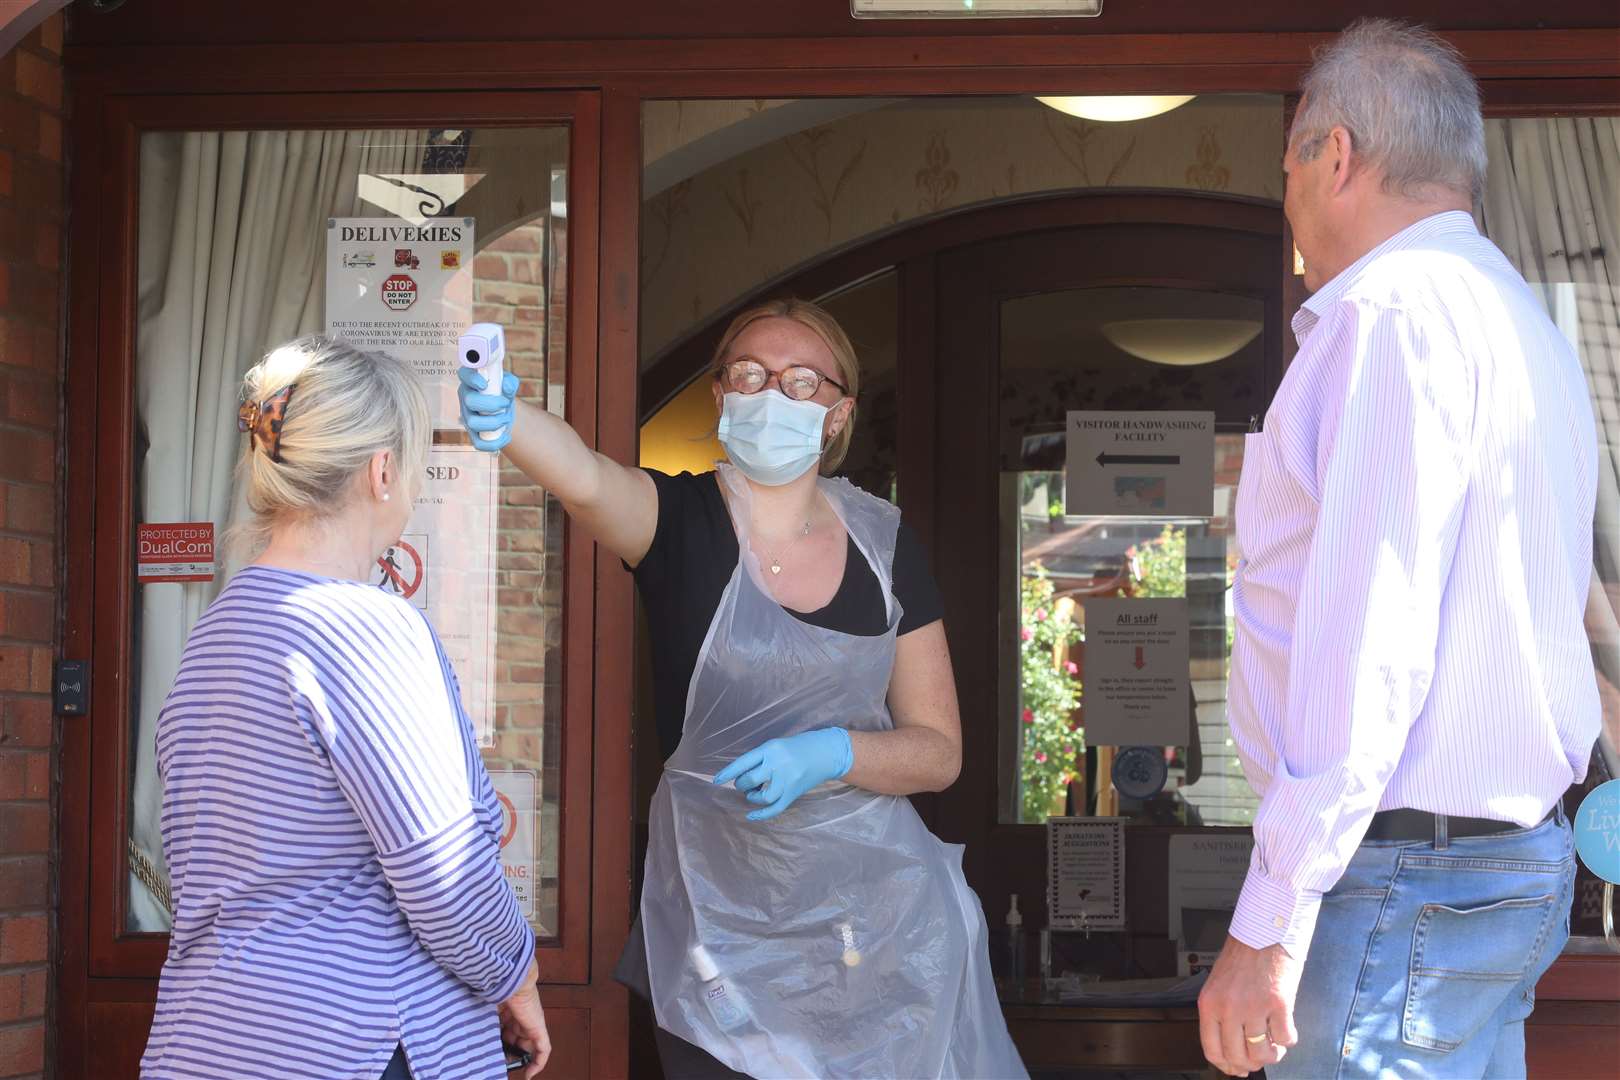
[1442,838]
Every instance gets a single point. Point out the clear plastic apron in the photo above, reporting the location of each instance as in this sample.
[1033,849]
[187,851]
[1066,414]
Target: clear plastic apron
[839,939]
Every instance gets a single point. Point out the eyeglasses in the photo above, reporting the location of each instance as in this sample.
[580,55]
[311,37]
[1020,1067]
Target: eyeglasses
[797,382]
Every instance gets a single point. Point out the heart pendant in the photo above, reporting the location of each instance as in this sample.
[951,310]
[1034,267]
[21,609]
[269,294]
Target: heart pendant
[776,568]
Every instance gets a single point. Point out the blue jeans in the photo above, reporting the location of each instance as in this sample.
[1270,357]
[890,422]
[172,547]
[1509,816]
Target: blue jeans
[1427,954]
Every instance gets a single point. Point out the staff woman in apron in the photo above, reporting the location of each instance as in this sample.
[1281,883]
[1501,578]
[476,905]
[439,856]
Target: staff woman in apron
[797,918]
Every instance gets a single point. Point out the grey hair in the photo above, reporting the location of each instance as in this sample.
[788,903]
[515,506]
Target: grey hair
[1408,101]
[347,405]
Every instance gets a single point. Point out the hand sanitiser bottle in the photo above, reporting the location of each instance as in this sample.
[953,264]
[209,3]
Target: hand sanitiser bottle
[1015,943]
[725,1004]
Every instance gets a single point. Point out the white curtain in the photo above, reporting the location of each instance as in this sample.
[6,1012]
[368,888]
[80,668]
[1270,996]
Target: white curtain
[232,263]
[1552,204]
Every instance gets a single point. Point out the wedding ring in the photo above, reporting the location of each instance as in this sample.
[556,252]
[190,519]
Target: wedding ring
[1260,1038]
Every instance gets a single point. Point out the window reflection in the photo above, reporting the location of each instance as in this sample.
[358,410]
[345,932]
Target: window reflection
[1552,204]
[1062,562]
[1175,349]
[233,231]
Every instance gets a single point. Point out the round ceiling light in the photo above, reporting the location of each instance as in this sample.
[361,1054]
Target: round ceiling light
[1116,109]
[1181,342]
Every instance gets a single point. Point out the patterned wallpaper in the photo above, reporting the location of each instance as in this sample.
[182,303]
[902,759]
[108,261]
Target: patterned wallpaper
[718,235]
[667,126]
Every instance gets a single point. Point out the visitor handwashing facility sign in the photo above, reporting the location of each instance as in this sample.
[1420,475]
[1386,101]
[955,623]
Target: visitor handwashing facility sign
[1140,464]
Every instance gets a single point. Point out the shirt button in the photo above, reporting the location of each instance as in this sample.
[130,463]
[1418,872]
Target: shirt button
[1279,922]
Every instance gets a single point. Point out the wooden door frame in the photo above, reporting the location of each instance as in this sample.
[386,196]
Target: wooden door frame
[102,963]
[1523,72]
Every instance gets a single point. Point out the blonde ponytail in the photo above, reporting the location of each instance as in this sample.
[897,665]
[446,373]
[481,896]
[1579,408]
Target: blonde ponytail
[346,405]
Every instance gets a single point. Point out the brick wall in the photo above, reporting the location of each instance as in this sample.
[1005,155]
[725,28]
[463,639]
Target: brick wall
[31,243]
[510,288]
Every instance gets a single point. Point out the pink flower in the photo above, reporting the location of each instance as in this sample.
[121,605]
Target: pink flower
[1071,667]
[1025,634]
[1040,757]
[1040,614]
[1068,751]
[1029,716]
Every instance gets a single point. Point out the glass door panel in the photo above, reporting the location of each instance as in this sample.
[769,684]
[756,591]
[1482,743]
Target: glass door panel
[393,239]
[1058,352]
[1552,204]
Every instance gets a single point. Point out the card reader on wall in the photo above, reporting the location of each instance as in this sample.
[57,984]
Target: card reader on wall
[70,688]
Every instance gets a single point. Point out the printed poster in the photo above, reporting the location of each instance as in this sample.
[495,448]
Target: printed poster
[1206,875]
[444,564]
[1085,871]
[1140,464]
[1137,661]
[515,790]
[406,290]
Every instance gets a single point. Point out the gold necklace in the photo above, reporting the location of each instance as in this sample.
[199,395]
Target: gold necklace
[776,559]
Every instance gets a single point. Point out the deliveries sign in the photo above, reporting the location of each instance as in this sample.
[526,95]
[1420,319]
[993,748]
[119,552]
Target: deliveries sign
[407,290]
[175,551]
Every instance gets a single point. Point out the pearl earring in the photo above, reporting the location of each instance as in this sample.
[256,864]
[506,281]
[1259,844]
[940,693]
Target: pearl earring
[385,496]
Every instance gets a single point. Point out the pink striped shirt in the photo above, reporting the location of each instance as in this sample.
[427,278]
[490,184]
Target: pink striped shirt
[1415,524]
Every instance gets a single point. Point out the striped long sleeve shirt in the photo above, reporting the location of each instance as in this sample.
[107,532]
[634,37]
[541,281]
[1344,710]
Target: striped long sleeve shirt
[1415,530]
[331,836]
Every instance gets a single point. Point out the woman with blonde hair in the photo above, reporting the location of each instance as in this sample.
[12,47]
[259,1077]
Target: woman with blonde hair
[797,918]
[340,909]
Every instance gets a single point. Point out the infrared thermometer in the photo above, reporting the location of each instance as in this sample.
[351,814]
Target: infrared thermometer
[483,348]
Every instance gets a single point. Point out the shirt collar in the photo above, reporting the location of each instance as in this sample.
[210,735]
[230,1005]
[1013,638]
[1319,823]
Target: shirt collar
[1446,223]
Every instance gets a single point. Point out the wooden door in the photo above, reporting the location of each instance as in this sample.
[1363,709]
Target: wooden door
[459,157]
[1183,246]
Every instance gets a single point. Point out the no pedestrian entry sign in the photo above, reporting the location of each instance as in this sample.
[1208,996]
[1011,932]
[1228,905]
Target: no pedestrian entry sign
[174,551]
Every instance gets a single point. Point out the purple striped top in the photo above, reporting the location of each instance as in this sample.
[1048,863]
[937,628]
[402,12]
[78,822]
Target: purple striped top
[1415,525]
[331,837]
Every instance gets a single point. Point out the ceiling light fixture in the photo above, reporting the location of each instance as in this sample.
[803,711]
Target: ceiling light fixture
[1116,110]
[1181,342]
[975,9]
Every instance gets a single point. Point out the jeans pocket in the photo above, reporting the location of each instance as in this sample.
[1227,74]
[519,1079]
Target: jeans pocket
[1465,962]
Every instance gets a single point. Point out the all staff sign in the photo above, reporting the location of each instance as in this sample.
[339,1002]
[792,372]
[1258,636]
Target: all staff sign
[1141,464]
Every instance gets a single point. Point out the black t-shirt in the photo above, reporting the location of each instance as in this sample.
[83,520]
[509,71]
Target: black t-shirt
[693,555]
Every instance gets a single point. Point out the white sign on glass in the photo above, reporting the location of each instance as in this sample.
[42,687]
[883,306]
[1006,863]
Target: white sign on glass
[1140,464]
[1085,873]
[1206,875]
[406,290]
[514,789]
[1137,658]
[444,564]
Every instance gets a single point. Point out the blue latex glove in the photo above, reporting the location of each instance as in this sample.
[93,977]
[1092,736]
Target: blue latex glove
[776,772]
[481,411]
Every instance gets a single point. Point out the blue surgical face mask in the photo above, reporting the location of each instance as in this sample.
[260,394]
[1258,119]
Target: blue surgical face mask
[771,438]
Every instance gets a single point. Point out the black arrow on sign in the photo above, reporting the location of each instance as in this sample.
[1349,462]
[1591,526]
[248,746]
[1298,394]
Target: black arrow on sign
[1106,459]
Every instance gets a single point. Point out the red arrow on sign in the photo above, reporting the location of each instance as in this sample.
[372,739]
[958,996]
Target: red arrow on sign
[1140,663]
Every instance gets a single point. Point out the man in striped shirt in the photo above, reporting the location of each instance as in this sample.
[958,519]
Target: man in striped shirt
[1412,690]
